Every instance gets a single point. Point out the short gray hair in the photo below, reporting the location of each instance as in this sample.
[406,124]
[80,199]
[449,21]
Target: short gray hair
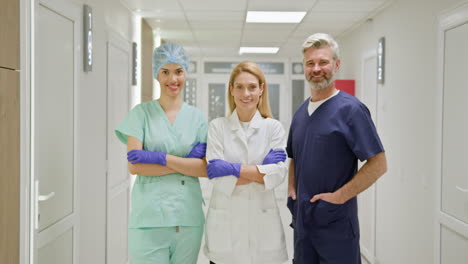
[320,40]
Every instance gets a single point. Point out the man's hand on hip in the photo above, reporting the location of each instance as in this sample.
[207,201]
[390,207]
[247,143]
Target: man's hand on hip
[328,197]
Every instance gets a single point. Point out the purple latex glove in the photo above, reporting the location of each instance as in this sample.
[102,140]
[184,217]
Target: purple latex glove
[219,168]
[198,151]
[144,156]
[274,156]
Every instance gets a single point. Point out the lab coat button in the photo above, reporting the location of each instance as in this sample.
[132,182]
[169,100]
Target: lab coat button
[183,182]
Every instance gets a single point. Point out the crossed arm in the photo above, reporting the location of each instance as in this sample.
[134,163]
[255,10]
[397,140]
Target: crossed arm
[187,166]
[250,173]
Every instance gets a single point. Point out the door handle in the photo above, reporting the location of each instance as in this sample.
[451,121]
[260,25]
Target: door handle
[45,197]
[39,198]
[461,189]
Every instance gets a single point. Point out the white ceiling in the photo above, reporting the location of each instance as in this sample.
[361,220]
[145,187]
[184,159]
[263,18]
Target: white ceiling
[217,28]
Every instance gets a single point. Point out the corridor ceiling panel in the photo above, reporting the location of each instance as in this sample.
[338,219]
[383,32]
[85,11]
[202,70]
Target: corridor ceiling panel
[214,28]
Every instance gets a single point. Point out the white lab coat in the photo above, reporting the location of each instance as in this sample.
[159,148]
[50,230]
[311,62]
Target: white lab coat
[243,224]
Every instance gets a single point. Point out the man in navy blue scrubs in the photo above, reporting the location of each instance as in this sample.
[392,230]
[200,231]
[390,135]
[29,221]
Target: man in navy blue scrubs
[328,133]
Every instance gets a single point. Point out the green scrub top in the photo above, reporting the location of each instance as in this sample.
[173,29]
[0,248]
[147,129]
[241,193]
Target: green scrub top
[173,199]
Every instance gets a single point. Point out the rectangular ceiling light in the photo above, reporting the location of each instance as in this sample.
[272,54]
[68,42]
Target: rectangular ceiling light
[274,17]
[270,50]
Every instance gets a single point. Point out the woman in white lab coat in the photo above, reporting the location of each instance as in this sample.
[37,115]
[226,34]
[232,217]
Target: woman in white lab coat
[246,162]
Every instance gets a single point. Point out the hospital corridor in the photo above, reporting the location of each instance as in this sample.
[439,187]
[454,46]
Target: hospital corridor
[74,74]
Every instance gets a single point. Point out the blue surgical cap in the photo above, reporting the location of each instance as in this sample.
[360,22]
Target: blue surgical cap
[169,53]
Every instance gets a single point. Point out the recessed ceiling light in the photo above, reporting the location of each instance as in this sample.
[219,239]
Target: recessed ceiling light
[271,50]
[274,17]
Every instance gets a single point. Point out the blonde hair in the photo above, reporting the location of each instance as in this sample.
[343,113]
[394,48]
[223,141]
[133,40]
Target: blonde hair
[252,68]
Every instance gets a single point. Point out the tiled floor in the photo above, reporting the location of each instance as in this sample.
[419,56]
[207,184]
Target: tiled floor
[286,219]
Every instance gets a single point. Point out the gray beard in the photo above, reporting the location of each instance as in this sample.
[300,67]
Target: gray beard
[321,85]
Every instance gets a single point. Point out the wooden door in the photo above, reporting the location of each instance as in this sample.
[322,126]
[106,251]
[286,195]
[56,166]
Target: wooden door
[9,34]
[9,165]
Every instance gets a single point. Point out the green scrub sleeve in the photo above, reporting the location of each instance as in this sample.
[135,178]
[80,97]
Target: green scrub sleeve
[133,125]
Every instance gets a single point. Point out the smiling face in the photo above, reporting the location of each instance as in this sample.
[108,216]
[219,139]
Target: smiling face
[171,78]
[246,91]
[320,67]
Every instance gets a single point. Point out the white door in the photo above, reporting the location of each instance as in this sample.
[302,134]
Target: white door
[213,102]
[280,105]
[366,200]
[118,178]
[214,96]
[279,97]
[300,91]
[53,136]
[452,201]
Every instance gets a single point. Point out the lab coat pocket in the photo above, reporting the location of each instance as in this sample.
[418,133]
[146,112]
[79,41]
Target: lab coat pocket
[218,231]
[270,230]
[327,213]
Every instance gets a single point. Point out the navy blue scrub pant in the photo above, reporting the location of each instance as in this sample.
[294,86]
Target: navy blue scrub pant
[326,251]
[326,234]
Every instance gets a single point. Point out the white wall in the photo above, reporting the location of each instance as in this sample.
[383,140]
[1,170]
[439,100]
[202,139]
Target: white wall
[92,98]
[406,194]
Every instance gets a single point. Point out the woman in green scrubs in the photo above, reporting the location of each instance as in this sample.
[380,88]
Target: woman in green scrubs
[166,144]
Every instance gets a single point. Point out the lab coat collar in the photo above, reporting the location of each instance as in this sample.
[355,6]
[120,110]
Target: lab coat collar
[254,123]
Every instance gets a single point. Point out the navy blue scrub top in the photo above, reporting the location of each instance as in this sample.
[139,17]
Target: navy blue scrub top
[326,145]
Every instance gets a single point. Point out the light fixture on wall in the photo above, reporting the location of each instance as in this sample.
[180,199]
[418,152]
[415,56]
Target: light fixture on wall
[134,63]
[88,38]
[381,61]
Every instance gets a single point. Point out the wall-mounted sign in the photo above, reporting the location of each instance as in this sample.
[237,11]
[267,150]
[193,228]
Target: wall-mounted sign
[88,38]
[134,63]
[347,86]
[381,61]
